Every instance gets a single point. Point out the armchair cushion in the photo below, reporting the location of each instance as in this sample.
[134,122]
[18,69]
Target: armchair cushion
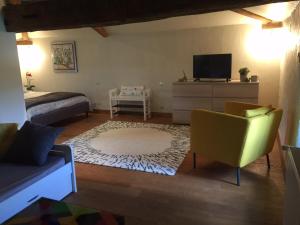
[257,112]
[32,144]
[7,134]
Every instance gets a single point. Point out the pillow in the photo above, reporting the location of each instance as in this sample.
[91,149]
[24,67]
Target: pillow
[32,144]
[132,91]
[257,112]
[7,134]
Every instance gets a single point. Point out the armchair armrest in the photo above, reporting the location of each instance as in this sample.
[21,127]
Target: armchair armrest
[218,136]
[238,108]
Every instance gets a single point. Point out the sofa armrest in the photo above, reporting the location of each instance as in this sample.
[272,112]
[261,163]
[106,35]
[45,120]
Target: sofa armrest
[62,150]
[67,152]
[218,136]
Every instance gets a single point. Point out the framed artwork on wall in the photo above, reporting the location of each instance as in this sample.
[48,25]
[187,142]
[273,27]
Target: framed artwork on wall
[64,56]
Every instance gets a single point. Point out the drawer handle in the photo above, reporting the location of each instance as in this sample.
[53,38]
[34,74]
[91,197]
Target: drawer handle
[34,198]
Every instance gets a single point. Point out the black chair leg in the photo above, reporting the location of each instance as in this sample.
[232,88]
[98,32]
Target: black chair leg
[238,176]
[268,161]
[194,160]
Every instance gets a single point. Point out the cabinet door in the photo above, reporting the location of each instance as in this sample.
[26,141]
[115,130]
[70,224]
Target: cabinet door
[188,103]
[236,90]
[196,90]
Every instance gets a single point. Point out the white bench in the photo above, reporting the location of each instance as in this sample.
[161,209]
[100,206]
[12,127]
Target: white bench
[118,101]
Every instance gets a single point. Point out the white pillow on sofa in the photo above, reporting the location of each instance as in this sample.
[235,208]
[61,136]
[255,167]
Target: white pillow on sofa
[132,90]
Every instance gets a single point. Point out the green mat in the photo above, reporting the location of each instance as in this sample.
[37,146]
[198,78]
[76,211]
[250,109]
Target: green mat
[49,212]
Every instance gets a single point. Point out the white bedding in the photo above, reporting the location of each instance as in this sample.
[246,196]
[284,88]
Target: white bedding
[48,107]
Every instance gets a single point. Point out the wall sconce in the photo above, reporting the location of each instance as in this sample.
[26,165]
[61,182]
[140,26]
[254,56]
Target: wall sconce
[24,40]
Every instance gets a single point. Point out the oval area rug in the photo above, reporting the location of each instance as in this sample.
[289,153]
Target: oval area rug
[154,148]
[132,141]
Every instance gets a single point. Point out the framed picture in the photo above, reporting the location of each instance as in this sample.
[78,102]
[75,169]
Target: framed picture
[64,56]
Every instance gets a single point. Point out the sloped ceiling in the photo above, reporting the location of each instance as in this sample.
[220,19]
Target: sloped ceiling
[276,12]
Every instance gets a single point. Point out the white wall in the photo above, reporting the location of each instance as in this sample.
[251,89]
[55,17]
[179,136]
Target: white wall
[290,85]
[12,107]
[148,58]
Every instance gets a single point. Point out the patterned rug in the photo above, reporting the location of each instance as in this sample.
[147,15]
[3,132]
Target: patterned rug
[49,212]
[153,148]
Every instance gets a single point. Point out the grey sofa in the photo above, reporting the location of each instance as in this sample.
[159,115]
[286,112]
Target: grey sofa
[22,185]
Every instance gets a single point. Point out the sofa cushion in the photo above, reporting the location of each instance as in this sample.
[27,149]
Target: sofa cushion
[7,134]
[22,176]
[132,91]
[32,144]
[257,112]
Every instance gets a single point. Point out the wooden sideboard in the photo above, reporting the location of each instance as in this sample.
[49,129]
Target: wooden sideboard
[209,95]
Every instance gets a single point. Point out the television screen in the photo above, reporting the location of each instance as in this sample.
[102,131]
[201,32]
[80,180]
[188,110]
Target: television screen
[212,66]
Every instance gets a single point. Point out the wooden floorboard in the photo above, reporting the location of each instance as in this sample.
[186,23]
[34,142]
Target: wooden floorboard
[206,195]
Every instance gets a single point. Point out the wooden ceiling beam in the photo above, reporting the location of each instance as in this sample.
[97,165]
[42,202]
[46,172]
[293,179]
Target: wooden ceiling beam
[102,31]
[25,40]
[58,14]
[13,2]
[272,25]
[266,22]
[252,15]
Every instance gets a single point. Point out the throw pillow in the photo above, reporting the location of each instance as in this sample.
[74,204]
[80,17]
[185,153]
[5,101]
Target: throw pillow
[7,134]
[32,144]
[131,91]
[257,112]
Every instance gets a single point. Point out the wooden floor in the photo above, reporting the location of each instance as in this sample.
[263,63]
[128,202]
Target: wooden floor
[205,195]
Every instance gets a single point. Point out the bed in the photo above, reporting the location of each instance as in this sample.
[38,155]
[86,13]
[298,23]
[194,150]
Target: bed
[51,107]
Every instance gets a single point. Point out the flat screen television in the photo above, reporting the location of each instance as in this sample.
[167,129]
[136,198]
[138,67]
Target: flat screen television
[217,66]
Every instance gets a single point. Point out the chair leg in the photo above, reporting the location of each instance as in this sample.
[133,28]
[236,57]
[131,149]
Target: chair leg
[268,161]
[194,160]
[238,176]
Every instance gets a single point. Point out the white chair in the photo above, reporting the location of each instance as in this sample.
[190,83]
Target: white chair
[136,97]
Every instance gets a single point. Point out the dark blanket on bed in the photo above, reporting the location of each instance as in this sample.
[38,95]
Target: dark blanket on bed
[51,97]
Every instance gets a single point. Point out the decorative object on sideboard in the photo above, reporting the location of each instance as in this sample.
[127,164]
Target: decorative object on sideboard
[184,78]
[254,78]
[244,74]
[28,85]
[64,57]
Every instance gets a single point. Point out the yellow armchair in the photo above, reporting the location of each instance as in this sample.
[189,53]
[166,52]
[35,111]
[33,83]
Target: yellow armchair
[231,137]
